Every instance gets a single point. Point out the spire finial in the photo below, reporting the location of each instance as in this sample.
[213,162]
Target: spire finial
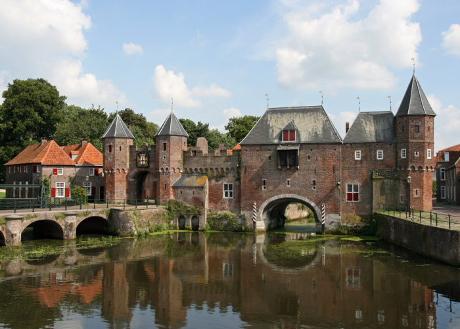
[267,100]
[413,65]
[322,97]
[359,103]
[389,98]
[116,102]
[172,105]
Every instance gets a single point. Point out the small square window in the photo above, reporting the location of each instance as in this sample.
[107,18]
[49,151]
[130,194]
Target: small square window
[288,182]
[379,154]
[164,146]
[358,155]
[87,186]
[417,129]
[91,171]
[416,193]
[416,154]
[352,192]
[264,184]
[403,153]
[428,154]
[228,191]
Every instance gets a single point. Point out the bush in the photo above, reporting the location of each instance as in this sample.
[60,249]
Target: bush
[224,221]
[175,208]
[79,194]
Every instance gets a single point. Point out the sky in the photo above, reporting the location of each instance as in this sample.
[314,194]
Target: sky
[220,59]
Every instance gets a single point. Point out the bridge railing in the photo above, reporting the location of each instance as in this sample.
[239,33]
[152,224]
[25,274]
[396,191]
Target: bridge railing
[16,205]
[438,219]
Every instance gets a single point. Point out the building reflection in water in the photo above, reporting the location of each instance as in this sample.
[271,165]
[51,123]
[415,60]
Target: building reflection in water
[338,284]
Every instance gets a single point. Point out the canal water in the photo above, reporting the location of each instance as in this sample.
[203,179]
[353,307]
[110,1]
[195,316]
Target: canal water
[196,280]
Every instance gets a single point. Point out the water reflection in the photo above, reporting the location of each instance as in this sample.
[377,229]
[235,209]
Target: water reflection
[192,280]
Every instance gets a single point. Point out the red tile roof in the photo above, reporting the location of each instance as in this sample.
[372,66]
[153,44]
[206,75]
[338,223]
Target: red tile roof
[454,148]
[45,153]
[86,154]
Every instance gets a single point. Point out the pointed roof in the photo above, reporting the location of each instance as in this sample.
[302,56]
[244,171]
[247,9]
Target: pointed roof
[172,127]
[312,123]
[371,127]
[118,129]
[415,101]
[44,153]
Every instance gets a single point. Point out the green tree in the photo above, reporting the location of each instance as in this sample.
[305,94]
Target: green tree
[143,130]
[239,127]
[31,110]
[79,123]
[199,129]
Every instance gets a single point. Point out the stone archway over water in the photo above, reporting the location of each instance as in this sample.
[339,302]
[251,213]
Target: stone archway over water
[42,229]
[271,212]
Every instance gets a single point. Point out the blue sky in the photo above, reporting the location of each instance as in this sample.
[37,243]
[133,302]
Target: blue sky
[218,59]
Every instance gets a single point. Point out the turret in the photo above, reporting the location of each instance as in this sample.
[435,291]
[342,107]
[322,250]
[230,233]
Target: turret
[117,141]
[171,142]
[414,124]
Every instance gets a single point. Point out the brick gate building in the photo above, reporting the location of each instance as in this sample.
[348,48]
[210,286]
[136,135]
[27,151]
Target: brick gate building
[292,154]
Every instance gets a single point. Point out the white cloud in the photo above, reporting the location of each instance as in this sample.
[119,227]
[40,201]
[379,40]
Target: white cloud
[46,39]
[340,46]
[451,39]
[447,122]
[169,84]
[232,112]
[131,48]
[339,121]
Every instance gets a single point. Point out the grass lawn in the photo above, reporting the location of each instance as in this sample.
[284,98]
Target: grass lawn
[2,194]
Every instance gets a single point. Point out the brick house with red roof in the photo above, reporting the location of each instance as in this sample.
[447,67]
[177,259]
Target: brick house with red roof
[79,164]
[448,174]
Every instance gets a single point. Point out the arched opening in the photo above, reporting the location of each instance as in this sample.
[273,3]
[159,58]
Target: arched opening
[195,223]
[292,212]
[42,229]
[2,239]
[144,187]
[93,226]
[181,222]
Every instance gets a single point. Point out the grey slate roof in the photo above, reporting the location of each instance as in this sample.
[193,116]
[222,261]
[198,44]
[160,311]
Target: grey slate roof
[370,127]
[172,127]
[312,124]
[118,129]
[414,101]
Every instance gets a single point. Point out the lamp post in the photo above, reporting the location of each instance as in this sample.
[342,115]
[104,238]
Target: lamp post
[408,179]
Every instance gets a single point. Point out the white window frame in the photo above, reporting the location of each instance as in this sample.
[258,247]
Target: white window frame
[60,171]
[442,174]
[429,154]
[358,155]
[443,192]
[92,172]
[446,156]
[228,191]
[264,184]
[403,153]
[416,154]
[379,154]
[353,191]
[416,193]
[88,187]
[60,187]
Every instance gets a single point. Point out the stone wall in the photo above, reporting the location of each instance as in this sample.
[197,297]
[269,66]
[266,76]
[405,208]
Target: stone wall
[137,222]
[434,242]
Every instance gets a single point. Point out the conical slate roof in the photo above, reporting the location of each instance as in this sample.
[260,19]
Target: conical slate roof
[118,129]
[172,127]
[415,101]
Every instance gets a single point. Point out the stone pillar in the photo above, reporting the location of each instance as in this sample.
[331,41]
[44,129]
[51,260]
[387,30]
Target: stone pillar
[188,222]
[13,230]
[70,226]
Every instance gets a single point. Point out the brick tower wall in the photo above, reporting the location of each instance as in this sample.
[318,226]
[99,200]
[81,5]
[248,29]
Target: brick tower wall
[116,167]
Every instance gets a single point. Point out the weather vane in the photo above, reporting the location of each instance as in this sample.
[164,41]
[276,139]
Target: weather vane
[413,65]
[389,98]
[172,105]
[267,99]
[116,102]
[322,97]
[359,103]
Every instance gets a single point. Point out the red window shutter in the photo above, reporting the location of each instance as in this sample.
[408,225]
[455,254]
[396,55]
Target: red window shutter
[355,196]
[285,135]
[292,135]
[67,192]
[53,192]
[55,171]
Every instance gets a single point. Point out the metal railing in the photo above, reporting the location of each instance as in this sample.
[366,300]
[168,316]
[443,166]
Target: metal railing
[16,205]
[438,219]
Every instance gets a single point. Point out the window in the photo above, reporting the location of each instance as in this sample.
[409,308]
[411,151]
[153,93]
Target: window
[446,156]
[227,270]
[58,171]
[164,146]
[288,158]
[403,153]
[35,169]
[264,184]
[379,154]
[416,154]
[416,193]
[228,191]
[120,148]
[442,173]
[91,171]
[110,148]
[352,192]
[443,192]
[87,186]
[288,182]
[60,190]
[353,277]
[428,154]
[289,136]
[358,155]
[313,184]
[417,129]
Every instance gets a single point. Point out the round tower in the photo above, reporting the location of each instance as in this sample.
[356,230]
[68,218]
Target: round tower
[117,142]
[414,124]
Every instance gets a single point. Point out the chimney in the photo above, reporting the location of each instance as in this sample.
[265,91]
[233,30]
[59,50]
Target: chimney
[347,126]
[84,142]
[44,141]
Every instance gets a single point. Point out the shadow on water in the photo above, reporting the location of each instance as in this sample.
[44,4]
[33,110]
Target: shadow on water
[231,280]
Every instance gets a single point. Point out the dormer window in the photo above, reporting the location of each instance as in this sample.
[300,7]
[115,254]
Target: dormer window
[289,135]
